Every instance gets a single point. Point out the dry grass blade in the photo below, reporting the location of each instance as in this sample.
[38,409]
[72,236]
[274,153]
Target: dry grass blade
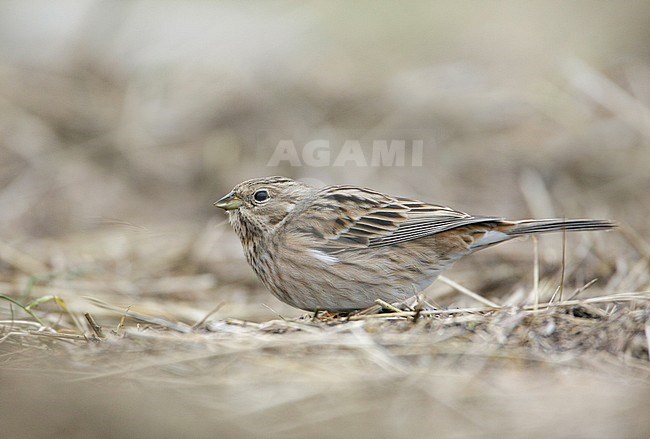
[59,335]
[94,326]
[536,271]
[179,327]
[207,316]
[598,87]
[467,292]
[23,307]
[609,299]
[577,291]
[647,336]
[563,265]
[386,305]
[640,296]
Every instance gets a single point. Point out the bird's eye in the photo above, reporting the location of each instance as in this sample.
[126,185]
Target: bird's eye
[261,195]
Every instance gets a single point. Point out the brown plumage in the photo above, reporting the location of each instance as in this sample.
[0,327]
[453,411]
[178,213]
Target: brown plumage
[340,248]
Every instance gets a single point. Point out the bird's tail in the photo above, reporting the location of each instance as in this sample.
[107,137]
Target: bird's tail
[529,227]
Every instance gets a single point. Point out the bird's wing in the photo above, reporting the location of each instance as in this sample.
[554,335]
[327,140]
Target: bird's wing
[343,218]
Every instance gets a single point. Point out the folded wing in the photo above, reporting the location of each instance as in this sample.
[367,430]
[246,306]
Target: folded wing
[345,218]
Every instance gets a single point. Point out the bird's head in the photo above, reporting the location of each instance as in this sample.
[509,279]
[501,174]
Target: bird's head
[259,205]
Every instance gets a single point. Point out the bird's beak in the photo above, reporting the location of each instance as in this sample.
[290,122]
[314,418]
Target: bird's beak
[229,202]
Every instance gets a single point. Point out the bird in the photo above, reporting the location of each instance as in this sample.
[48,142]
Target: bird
[341,248]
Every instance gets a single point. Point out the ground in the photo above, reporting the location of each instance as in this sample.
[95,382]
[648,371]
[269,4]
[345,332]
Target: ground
[121,123]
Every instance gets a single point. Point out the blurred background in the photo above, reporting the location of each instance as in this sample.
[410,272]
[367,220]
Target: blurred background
[122,122]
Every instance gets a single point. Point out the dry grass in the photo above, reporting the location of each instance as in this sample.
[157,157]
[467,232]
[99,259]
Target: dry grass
[127,308]
[557,367]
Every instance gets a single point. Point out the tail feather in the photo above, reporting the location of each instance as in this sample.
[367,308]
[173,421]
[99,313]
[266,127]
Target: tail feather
[528,227]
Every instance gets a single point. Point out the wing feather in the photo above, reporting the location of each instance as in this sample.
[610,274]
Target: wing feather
[360,218]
